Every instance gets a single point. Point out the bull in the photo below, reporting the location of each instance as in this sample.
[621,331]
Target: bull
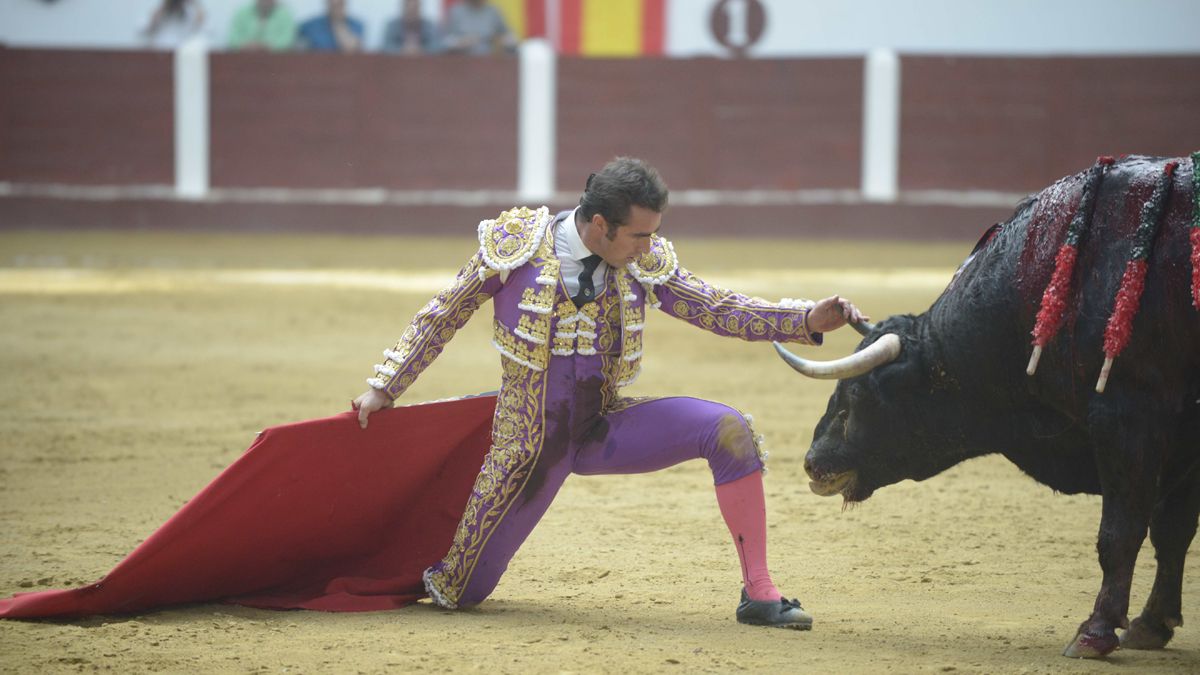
[923,393]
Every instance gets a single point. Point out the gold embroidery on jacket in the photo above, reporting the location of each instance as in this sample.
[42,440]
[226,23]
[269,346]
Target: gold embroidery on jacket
[531,356]
[721,310]
[529,342]
[635,317]
[511,239]
[537,300]
[575,329]
[585,329]
[431,328]
[608,321]
[632,316]
[656,265]
[564,331]
[610,366]
[535,330]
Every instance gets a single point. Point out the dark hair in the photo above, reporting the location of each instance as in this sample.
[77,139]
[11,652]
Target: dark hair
[622,184]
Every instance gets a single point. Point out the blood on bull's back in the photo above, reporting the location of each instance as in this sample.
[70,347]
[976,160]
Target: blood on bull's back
[1127,293]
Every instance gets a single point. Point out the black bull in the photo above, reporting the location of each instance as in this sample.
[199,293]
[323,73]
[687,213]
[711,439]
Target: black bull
[958,387]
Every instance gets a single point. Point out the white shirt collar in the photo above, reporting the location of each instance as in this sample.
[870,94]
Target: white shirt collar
[570,233]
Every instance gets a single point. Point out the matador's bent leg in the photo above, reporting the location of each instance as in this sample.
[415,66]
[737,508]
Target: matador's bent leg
[663,432]
[659,433]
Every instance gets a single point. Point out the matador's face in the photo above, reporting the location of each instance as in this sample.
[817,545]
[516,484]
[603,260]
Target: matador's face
[628,241]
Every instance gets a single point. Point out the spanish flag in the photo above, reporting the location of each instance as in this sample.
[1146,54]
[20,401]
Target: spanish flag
[605,28]
[611,27]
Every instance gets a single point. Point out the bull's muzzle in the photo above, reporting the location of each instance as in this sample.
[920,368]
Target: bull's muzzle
[833,484]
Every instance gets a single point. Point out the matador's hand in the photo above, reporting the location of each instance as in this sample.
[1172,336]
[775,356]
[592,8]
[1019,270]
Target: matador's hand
[370,401]
[833,313]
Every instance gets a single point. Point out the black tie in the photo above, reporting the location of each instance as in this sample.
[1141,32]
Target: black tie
[587,291]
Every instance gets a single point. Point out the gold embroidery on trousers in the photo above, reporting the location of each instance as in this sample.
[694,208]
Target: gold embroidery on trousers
[517,435]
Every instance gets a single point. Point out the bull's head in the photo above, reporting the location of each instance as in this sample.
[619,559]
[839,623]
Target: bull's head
[888,418]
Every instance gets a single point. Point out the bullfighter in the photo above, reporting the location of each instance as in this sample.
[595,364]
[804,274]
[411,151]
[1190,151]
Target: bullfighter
[570,294]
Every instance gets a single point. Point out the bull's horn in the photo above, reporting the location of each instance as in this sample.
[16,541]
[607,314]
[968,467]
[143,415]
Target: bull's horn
[884,350]
[863,328]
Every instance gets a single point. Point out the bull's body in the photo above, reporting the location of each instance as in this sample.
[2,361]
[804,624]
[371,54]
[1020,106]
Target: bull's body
[959,388]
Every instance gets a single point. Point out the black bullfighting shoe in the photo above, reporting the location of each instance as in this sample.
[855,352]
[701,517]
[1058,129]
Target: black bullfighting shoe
[781,613]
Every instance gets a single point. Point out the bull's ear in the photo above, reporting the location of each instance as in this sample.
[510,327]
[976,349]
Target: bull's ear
[903,374]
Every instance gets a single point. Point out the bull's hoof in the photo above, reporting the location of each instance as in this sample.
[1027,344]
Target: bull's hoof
[1142,634]
[1091,646]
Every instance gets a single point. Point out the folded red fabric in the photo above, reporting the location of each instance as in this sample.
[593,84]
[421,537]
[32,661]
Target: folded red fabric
[315,515]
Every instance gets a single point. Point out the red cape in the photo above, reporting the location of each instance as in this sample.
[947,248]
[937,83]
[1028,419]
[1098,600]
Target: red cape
[315,515]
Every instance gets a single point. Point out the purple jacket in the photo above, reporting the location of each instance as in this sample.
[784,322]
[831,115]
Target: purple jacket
[534,318]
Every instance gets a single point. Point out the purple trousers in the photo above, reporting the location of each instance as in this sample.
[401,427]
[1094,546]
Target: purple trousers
[631,436]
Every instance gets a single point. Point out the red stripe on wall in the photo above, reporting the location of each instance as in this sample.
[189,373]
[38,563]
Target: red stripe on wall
[535,18]
[653,27]
[570,26]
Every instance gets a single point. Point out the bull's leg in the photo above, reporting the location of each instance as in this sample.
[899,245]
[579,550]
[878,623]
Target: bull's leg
[1172,528]
[1127,454]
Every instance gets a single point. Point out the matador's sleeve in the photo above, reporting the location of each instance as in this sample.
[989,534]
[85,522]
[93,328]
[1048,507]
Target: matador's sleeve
[685,296]
[433,326]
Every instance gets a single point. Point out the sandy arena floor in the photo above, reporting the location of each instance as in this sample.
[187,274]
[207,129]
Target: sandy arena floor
[135,366]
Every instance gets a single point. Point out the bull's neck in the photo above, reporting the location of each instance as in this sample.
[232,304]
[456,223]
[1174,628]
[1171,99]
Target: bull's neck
[979,367]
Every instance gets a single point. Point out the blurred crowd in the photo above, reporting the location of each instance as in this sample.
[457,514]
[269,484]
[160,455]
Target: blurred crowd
[470,27]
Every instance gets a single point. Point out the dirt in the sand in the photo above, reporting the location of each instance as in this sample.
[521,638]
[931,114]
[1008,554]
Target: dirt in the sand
[135,366]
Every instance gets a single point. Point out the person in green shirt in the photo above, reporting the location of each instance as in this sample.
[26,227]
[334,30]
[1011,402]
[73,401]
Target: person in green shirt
[263,25]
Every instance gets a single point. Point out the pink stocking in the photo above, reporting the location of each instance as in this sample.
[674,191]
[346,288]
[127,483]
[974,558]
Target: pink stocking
[745,512]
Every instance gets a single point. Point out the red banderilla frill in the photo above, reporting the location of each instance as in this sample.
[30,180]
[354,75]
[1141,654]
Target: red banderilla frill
[1119,330]
[1054,298]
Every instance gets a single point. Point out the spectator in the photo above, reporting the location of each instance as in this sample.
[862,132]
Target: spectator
[477,27]
[333,31]
[173,23]
[411,33]
[263,25]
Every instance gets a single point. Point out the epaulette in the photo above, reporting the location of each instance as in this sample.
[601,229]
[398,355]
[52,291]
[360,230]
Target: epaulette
[656,266]
[511,239]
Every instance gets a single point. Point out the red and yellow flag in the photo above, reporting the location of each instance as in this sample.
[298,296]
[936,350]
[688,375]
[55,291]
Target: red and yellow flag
[612,27]
[606,28]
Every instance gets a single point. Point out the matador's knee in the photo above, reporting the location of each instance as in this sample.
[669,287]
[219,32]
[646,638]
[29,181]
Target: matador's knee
[732,447]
